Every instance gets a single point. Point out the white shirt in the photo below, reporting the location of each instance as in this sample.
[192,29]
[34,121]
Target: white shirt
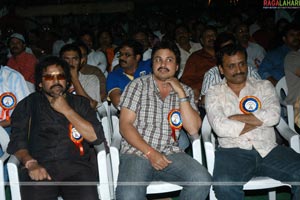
[221,102]
[184,55]
[255,54]
[98,59]
[12,81]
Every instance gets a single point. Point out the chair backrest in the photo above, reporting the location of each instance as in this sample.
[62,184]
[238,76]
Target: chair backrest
[281,90]
[288,134]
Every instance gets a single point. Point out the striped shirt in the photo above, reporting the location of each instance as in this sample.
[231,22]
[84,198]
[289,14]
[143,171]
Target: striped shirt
[142,96]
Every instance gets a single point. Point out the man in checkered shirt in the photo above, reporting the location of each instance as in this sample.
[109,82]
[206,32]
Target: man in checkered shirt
[149,150]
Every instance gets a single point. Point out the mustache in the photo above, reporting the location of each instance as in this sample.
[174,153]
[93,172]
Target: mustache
[238,74]
[59,85]
[163,68]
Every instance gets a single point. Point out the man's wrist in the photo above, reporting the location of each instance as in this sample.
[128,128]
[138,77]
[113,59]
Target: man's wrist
[184,99]
[29,163]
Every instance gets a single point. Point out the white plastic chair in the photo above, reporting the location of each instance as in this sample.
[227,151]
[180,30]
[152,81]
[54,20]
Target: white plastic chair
[282,92]
[103,160]
[256,183]
[154,187]
[4,139]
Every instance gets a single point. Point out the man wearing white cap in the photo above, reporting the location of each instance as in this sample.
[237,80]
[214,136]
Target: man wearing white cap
[21,61]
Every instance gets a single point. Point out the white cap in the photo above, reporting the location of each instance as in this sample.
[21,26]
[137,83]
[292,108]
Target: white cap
[18,36]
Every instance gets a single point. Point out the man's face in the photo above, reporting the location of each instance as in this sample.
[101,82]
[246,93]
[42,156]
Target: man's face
[127,58]
[142,39]
[53,81]
[234,68]
[292,39]
[73,59]
[209,38]
[164,64]
[16,46]
[182,35]
[242,34]
[87,39]
[105,39]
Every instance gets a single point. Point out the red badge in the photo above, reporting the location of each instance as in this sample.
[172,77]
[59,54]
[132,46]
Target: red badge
[76,138]
[175,121]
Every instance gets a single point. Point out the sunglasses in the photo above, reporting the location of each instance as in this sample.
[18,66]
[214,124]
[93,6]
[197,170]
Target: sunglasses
[51,77]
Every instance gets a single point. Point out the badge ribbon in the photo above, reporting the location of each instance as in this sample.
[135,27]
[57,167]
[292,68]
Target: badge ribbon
[8,102]
[175,121]
[250,104]
[76,138]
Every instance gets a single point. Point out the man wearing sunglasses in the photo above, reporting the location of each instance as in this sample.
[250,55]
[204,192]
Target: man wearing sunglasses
[52,134]
[131,66]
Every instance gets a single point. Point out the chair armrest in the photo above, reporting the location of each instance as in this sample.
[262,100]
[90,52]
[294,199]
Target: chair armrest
[4,157]
[289,135]
[13,173]
[99,148]
[103,160]
[196,146]
[209,146]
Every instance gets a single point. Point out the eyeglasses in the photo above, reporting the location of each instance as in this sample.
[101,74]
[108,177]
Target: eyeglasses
[51,77]
[124,54]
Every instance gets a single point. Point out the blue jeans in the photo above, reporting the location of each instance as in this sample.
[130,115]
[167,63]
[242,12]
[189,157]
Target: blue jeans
[234,167]
[135,174]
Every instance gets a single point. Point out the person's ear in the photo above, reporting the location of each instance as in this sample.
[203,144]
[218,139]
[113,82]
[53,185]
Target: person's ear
[221,69]
[138,57]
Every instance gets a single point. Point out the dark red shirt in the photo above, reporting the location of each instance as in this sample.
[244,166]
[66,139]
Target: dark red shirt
[25,64]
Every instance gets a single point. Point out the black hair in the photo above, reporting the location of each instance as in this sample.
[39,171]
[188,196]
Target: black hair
[135,45]
[47,61]
[290,27]
[223,38]
[209,28]
[167,44]
[229,50]
[83,45]
[70,47]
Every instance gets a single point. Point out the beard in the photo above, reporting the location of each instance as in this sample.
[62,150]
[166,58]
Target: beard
[55,90]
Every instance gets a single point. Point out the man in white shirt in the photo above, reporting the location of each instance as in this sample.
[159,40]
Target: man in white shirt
[186,47]
[82,84]
[95,58]
[242,112]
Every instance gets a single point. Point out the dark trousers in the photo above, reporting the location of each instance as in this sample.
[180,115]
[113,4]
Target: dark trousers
[70,180]
[234,167]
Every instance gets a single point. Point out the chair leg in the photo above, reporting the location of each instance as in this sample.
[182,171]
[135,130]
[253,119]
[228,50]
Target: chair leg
[212,195]
[272,195]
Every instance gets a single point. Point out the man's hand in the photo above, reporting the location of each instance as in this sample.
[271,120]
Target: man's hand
[60,104]
[158,160]
[38,173]
[175,84]
[74,72]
